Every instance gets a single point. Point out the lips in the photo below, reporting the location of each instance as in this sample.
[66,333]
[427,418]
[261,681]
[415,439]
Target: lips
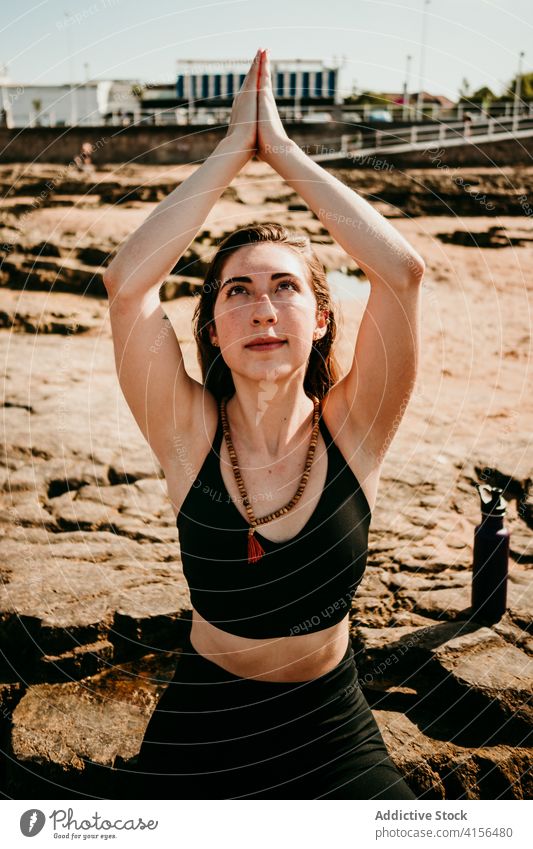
[265,342]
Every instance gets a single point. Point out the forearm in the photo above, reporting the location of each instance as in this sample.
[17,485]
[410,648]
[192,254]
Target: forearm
[150,253]
[378,248]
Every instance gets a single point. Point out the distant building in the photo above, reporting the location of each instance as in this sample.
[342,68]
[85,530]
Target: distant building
[310,80]
[49,105]
[299,85]
[119,101]
[83,104]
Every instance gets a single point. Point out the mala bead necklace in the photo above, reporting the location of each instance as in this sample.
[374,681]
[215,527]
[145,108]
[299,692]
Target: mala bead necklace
[255,550]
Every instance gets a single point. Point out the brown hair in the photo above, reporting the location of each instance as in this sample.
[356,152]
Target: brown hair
[322,370]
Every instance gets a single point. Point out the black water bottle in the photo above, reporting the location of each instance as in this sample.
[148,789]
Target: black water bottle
[491,557]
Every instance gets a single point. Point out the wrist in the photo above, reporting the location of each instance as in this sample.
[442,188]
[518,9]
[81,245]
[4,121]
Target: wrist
[234,149]
[278,148]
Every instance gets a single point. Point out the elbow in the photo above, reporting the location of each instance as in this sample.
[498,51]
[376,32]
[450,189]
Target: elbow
[128,289]
[107,278]
[110,281]
[416,269]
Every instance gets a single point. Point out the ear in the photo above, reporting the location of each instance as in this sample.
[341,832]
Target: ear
[322,320]
[212,334]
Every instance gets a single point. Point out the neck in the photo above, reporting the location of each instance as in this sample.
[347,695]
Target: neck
[265,423]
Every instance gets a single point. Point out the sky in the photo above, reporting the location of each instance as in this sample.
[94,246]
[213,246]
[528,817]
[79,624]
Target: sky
[133,39]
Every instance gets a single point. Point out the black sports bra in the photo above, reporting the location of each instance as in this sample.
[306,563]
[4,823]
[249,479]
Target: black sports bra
[301,585]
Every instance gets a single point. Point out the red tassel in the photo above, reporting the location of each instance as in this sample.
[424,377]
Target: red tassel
[255,551]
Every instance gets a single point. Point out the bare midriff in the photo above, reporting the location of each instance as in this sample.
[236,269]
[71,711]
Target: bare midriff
[294,658]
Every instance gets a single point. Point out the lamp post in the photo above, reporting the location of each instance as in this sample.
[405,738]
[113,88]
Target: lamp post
[405,110]
[190,99]
[297,106]
[517,89]
[339,97]
[72,88]
[420,98]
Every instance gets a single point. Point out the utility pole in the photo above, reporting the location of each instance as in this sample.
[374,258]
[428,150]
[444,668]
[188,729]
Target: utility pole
[405,110]
[517,91]
[420,98]
[72,90]
[189,93]
[297,102]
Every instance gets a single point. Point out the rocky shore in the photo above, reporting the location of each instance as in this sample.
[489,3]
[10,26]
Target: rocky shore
[93,603]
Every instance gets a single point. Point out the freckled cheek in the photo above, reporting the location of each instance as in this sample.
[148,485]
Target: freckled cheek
[298,329]
[232,329]
[231,325]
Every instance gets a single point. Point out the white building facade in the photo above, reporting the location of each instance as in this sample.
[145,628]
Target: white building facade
[82,104]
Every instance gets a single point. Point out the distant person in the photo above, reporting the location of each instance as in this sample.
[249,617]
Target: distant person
[84,160]
[272,466]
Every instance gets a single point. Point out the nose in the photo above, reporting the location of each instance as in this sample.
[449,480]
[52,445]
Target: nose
[263,311]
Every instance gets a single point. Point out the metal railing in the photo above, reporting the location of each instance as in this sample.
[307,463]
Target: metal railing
[437,112]
[418,136]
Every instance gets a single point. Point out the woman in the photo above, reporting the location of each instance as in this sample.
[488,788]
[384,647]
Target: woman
[272,466]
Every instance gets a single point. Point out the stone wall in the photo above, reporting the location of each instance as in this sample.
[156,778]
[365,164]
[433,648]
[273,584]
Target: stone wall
[142,145]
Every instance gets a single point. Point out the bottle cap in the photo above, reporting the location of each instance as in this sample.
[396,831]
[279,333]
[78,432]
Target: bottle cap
[492,501]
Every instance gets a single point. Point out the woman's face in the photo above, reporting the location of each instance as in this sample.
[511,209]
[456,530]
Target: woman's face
[271,297]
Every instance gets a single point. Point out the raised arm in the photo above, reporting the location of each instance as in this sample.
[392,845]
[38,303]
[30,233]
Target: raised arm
[161,395]
[381,378]
[150,253]
[379,249]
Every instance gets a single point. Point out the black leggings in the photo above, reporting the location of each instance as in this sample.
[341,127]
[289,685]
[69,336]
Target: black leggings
[215,735]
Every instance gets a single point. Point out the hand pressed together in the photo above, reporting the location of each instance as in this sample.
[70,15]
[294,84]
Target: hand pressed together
[242,126]
[255,124]
[271,135]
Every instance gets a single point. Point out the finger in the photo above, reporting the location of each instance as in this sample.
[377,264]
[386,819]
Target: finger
[250,81]
[265,79]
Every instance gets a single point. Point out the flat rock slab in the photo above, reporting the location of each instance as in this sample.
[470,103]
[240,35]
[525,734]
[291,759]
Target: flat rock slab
[395,655]
[498,672]
[71,604]
[460,669]
[63,733]
[436,769]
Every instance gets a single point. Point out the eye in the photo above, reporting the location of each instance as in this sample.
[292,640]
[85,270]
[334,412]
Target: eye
[231,288]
